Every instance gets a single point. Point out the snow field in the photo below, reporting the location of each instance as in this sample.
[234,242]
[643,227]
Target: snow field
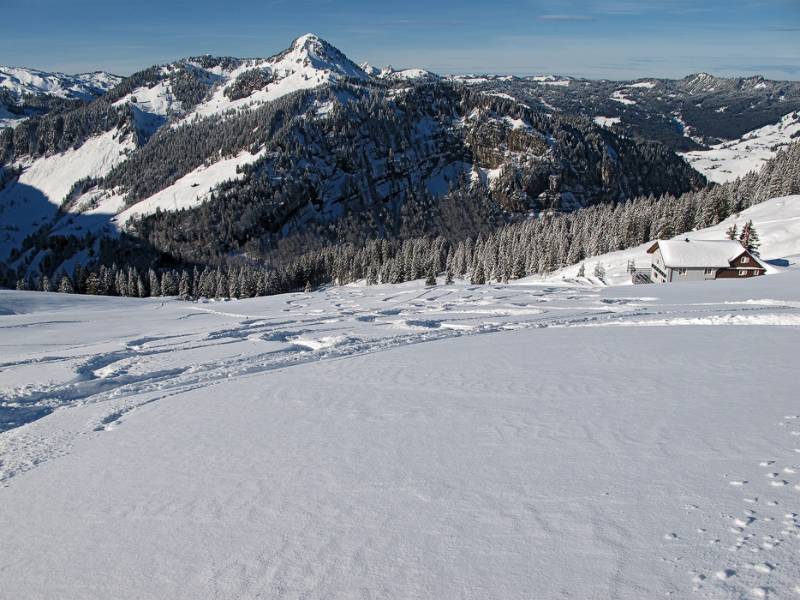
[403,441]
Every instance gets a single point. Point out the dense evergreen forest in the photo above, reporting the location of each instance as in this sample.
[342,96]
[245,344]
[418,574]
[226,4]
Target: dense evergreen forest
[538,245]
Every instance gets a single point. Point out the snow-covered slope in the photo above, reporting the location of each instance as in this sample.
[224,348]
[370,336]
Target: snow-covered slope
[190,190]
[35,198]
[729,160]
[489,442]
[607,122]
[776,221]
[152,105]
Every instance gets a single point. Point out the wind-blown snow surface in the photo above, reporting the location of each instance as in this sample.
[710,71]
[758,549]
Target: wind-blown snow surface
[736,158]
[404,442]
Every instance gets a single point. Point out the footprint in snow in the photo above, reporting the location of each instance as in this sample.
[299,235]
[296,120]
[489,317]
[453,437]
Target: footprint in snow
[725,574]
[763,567]
[743,521]
[697,580]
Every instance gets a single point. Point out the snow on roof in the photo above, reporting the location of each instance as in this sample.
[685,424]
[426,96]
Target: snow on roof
[687,253]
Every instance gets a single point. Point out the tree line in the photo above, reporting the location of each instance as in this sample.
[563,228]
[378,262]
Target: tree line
[533,246]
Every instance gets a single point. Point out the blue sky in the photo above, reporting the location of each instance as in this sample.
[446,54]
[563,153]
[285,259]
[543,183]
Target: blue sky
[590,38]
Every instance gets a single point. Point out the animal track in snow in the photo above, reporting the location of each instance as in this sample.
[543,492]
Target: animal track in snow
[769,535]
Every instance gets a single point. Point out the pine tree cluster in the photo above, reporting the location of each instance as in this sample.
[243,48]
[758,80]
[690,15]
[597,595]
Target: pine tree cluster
[512,251]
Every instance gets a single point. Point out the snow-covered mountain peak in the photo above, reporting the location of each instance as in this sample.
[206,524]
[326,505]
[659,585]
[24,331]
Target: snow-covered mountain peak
[311,51]
[369,69]
[309,62]
[310,42]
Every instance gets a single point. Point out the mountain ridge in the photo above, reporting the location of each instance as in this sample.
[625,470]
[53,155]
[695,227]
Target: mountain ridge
[306,145]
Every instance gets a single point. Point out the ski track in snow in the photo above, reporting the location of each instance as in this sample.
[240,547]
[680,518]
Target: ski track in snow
[336,324]
[189,346]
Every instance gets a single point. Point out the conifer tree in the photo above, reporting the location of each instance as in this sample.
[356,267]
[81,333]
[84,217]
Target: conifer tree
[600,271]
[431,279]
[93,284]
[221,290]
[261,284]
[65,285]
[168,284]
[233,284]
[749,238]
[141,289]
[184,288]
[155,285]
[478,274]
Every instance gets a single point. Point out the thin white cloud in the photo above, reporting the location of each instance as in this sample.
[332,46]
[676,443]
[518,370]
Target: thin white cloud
[565,18]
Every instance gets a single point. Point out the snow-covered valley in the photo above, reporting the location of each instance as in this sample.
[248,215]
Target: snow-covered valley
[736,158]
[403,441]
